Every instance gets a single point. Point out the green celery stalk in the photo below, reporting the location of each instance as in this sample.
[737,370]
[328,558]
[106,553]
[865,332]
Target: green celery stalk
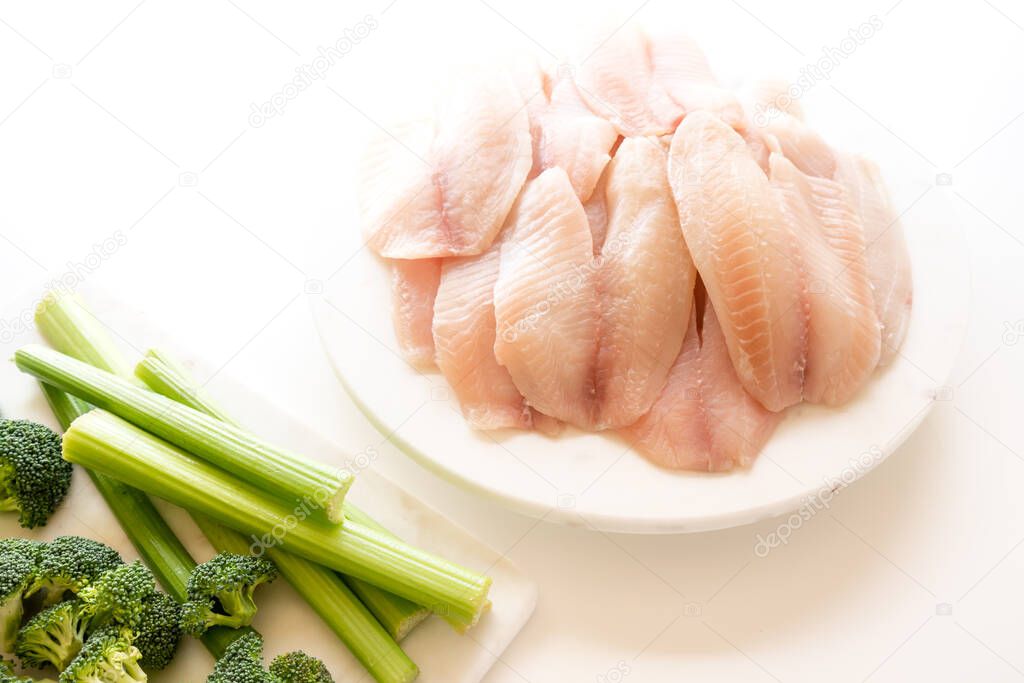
[112,446]
[332,600]
[61,320]
[164,375]
[146,529]
[272,469]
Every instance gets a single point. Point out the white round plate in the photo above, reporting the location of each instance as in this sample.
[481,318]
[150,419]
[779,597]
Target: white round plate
[595,479]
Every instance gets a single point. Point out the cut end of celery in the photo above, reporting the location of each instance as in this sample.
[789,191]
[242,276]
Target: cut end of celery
[334,507]
[482,605]
[406,626]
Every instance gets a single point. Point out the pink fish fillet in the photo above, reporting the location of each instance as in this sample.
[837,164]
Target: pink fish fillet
[645,284]
[590,341]
[464,335]
[703,420]
[644,85]
[734,226]
[773,97]
[567,134]
[888,261]
[596,209]
[445,189]
[843,340]
[801,144]
[413,288]
[545,300]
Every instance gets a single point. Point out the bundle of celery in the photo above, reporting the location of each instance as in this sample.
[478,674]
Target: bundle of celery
[369,555]
[165,376]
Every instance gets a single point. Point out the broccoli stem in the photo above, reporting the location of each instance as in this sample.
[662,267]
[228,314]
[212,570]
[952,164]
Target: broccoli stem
[152,537]
[104,442]
[332,600]
[274,470]
[164,375]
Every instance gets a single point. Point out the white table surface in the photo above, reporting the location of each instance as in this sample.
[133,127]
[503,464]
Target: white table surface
[130,121]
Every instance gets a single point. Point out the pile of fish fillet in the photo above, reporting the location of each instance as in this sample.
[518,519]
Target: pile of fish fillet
[629,246]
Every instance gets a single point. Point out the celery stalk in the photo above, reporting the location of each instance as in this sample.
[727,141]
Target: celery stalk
[112,446]
[164,375]
[60,319]
[272,469]
[146,529]
[325,592]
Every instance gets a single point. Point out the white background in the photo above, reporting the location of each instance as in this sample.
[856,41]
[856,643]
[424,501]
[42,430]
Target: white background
[132,121]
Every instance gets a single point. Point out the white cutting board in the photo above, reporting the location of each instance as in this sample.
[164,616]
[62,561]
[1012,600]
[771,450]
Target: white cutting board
[594,479]
[285,620]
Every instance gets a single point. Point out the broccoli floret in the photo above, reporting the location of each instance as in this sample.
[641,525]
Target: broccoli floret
[220,592]
[34,478]
[118,596]
[107,657]
[70,563]
[54,636]
[158,632]
[298,667]
[242,662]
[19,559]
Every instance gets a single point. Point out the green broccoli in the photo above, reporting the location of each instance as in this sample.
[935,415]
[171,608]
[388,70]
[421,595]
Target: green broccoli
[220,592]
[158,632]
[70,563]
[298,667]
[19,559]
[107,657]
[34,478]
[117,596]
[242,662]
[54,636]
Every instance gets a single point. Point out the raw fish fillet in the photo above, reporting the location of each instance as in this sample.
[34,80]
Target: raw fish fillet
[644,85]
[596,209]
[772,97]
[464,335]
[567,134]
[888,262]
[590,341]
[446,188]
[681,65]
[545,300]
[843,335]
[742,246]
[703,420]
[645,284]
[413,288]
[801,144]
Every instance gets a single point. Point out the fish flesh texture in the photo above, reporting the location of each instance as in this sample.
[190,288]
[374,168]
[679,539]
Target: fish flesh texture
[590,341]
[843,341]
[888,261]
[645,284]
[444,187]
[743,248]
[567,134]
[413,288]
[464,335]
[644,84]
[545,300]
[703,419]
